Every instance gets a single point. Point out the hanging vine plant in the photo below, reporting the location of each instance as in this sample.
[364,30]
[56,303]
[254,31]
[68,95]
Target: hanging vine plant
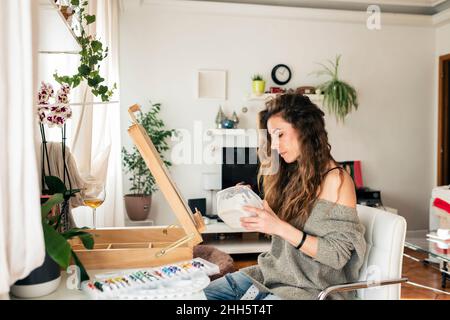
[91,54]
[339,97]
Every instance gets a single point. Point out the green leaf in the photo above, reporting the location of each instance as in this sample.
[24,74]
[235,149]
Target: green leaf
[71,192]
[93,82]
[57,246]
[89,19]
[55,184]
[84,70]
[85,237]
[76,82]
[102,89]
[62,79]
[83,274]
[96,45]
[93,61]
[50,203]
[75,3]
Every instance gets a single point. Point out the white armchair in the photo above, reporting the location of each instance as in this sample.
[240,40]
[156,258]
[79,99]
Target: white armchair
[380,276]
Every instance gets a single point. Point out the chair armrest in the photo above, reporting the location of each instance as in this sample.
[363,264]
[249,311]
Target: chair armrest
[358,285]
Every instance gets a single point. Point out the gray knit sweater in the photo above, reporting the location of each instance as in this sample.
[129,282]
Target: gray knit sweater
[290,274]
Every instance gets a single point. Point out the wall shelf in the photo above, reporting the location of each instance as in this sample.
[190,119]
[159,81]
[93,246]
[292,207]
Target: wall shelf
[316,98]
[263,97]
[226,132]
[81,104]
[59,52]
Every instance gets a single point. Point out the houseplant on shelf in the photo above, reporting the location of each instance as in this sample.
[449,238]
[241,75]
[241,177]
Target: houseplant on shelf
[340,98]
[91,55]
[258,84]
[46,278]
[138,203]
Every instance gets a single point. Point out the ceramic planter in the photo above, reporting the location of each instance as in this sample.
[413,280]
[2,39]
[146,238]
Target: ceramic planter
[259,87]
[40,282]
[138,206]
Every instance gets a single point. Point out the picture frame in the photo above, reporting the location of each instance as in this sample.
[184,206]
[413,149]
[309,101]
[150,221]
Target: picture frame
[211,84]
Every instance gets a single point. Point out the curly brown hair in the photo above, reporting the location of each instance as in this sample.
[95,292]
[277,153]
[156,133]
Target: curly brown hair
[294,188]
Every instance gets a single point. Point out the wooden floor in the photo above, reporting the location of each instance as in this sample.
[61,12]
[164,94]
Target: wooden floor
[415,271]
[421,274]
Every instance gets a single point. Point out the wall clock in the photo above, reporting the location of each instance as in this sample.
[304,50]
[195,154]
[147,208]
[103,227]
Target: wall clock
[281,74]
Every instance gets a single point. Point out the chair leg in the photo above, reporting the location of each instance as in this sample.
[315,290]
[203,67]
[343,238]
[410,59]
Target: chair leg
[444,274]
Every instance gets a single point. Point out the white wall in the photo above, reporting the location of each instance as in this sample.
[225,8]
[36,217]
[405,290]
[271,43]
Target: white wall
[443,40]
[163,45]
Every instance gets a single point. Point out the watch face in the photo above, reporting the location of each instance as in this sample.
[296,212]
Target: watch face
[281,74]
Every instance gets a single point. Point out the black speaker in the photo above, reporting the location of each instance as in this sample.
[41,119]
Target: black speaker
[200,204]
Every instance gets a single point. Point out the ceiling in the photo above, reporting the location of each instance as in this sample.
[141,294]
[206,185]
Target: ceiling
[424,7]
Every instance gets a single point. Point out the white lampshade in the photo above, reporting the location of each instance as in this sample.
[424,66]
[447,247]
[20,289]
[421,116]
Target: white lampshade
[212,181]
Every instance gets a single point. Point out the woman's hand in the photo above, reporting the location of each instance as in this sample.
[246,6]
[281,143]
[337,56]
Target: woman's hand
[264,221]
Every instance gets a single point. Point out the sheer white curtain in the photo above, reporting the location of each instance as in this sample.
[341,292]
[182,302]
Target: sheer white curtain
[96,140]
[21,240]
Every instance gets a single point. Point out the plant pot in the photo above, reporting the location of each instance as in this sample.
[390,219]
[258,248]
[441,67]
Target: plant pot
[67,12]
[259,87]
[40,282]
[138,206]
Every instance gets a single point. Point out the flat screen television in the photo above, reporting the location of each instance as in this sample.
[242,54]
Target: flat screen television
[240,165]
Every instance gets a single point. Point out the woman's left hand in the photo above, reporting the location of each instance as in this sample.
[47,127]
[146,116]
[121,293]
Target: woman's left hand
[264,220]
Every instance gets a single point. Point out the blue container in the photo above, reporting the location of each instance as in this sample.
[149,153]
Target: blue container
[228,124]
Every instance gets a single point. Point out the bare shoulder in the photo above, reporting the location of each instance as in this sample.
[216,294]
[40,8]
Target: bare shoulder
[338,187]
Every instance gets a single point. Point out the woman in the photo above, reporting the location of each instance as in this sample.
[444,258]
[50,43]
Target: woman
[309,209]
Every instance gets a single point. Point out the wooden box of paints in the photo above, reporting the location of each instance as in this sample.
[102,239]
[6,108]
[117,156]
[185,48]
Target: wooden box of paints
[119,248]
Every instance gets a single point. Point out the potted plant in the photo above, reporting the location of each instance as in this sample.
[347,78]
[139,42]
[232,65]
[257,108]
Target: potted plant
[46,278]
[258,84]
[92,53]
[138,203]
[55,198]
[339,97]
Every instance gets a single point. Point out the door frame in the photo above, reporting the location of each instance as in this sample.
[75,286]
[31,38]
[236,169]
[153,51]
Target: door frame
[441,113]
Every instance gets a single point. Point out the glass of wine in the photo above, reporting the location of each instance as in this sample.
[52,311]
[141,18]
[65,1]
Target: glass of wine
[93,197]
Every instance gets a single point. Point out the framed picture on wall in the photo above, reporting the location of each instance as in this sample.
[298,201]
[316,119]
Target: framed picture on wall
[212,84]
